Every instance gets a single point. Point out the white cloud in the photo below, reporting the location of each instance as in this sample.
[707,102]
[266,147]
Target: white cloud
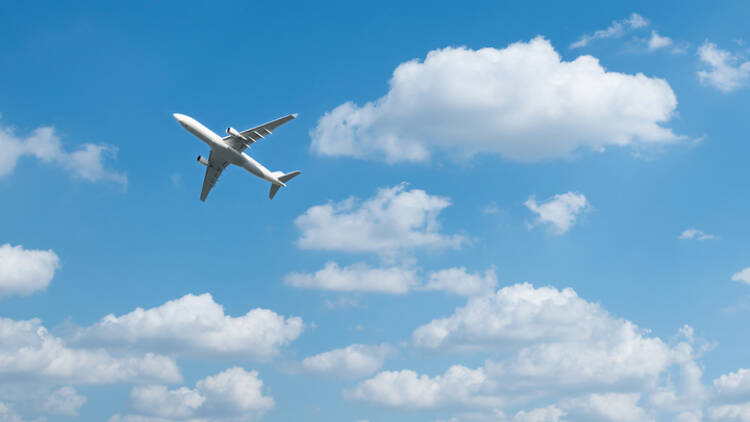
[196,325]
[616,30]
[406,389]
[559,339]
[231,395]
[358,277]
[87,162]
[157,400]
[393,221]
[28,351]
[726,71]
[695,234]
[542,414]
[522,102]
[8,414]
[551,345]
[522,314]
[657,41]
[350,362]
[560,211]
[24,271]
[733,385]
[458,281]
[64,401]
[742,276]
[615,407]
[731,412]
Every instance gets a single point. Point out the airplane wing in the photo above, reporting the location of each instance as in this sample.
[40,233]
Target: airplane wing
[213,171]
[256,133]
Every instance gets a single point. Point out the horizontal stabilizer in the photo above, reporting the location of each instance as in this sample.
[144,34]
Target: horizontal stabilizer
[289,176]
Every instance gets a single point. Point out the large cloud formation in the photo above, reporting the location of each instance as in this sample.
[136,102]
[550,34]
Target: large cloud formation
[522,102]
[551,347]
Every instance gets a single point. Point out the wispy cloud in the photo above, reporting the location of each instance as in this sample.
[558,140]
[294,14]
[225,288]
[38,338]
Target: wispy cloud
[87,162]
[657,42]
[695,234]
[616,30]
[560,212]
[725,70]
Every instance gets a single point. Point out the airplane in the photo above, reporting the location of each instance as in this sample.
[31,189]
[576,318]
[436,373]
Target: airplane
[229,150]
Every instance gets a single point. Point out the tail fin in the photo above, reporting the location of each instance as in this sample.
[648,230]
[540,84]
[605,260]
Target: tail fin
[283,178]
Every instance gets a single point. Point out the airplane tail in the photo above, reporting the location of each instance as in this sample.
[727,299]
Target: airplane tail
[283,178]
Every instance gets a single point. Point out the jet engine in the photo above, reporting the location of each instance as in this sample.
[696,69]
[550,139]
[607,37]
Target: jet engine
[233,132]
[202,160]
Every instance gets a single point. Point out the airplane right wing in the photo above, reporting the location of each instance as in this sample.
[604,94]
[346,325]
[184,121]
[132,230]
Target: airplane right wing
[256,133]
[213,171]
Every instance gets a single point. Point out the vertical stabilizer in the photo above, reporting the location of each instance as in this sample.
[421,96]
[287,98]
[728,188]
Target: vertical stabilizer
[283,179]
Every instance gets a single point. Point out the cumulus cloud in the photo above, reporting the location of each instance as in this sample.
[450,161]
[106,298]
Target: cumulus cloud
[724,71]
[87,162]
[559,337]
[522,102]
[742,276]
[657,42]
[65,401]
[459,386]
[616,30]
[352,361]
[28,351]
[615,407]
[196,325]
[695,234]
[554,346]
[361,277]
[730,412]
[560,212]
[733,385]
[394,220]
[24,271]
[231,395]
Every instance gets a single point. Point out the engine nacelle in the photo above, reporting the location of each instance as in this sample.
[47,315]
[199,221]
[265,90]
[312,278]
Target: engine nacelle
[202,160]
[233,132]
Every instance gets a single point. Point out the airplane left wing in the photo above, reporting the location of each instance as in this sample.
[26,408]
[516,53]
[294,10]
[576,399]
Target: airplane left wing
[253,135]
[213,171]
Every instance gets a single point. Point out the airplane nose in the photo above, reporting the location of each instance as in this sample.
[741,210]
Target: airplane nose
[179,117]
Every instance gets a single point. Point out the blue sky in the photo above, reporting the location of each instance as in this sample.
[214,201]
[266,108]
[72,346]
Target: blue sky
[493,220]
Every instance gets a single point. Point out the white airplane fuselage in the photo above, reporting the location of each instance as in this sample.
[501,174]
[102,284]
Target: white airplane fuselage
[224,151]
